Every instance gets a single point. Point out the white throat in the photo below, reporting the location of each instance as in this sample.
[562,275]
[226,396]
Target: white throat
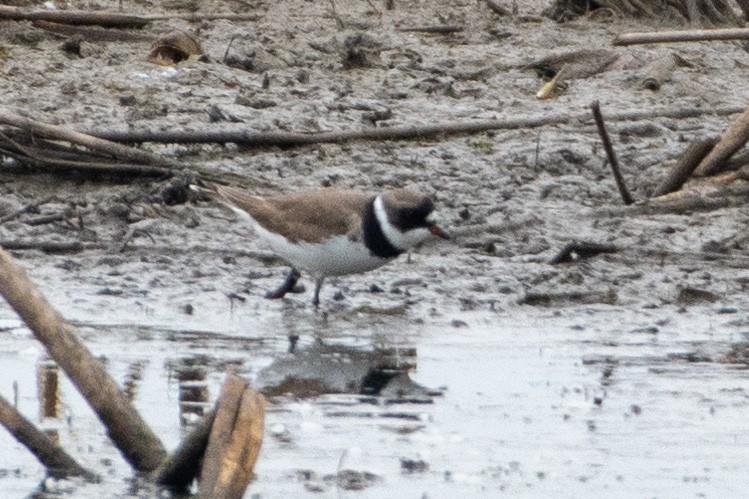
[400,240]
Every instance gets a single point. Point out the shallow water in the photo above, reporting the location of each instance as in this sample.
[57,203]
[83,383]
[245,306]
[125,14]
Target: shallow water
[569,403]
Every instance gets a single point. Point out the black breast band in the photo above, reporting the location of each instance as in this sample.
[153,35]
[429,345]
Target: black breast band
[374,238]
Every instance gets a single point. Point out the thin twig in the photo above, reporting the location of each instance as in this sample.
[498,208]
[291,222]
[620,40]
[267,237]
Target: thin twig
[228,47]
[610,154]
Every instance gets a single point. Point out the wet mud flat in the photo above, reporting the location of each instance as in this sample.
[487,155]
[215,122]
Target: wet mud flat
[570,403]
[623,374]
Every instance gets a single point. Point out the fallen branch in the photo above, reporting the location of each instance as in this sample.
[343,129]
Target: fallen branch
[92,34]
[699,35]
[94,143]
[731,141]
[109,19]
[138,444]
[106,19]
[59,463]
[249,138]
[235,441]
[610,154]
[42,245]
[681,172]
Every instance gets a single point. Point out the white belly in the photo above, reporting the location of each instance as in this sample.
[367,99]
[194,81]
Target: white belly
[335,256]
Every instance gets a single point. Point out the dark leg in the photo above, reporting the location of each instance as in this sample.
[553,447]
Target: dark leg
[316,298]
[287,285]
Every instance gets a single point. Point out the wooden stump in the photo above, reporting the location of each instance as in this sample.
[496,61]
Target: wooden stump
[235,441]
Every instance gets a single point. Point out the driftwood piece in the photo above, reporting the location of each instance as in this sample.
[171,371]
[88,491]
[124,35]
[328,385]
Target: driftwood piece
[235,441]
[681,172]
[731,141]
[58,462]
[55,132]
[132,436]
[610,154]
[659,71]
[698,35]
[183,466]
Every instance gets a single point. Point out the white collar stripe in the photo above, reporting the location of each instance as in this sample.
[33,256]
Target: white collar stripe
[392,234]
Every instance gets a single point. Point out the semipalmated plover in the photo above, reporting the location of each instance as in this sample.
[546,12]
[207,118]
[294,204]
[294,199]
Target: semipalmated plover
[333,232]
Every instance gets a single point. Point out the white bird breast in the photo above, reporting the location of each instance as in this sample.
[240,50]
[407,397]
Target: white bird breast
[335,256]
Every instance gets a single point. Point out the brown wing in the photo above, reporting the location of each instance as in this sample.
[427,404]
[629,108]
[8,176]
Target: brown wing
[309,216]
